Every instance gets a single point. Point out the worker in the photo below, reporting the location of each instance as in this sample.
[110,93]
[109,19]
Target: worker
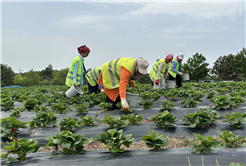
[115,76]
[92,78]
[159,72]
[175,69]
[77,67]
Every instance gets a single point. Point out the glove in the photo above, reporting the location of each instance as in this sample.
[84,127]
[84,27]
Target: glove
[102,90]
[131,83]
[157,81]
[124,104]
[180,73]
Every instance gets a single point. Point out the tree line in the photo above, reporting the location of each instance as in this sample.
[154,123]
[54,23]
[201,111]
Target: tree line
[227,67]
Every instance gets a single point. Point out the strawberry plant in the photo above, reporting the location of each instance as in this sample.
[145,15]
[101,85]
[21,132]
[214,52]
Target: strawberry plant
[16,112]
[41,108]
[220,102]
[167,105]
[184,94]
[10,125]
[105,106]
[198,95]
[156,96]
[230,140]
[199,118]
[69,142]
[60,108]
[222,90]
[237,100]
[69,123]
[115,120]
[113,140]
[164,119]
[201,144]
[7,103]
[87,120]
[43,119]
[155,140]
[82,108]
[147,103]
[20,147]
[74,100]
[189,103]
[29,103]
[133,119]
[235,119]
[211,95]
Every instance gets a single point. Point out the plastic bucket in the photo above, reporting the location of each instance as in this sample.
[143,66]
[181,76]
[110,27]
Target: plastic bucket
[185,77]
[171,84]
[133,98]
[73,91]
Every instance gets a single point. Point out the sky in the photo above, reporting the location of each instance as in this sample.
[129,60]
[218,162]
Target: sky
[36,34]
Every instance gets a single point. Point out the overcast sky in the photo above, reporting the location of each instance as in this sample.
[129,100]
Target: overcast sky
[36,34]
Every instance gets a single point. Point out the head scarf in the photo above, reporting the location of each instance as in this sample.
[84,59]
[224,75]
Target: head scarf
[83,49]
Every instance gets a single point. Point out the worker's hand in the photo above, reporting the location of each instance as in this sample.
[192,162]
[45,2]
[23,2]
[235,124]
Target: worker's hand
[124,104]
[131,83]
[102,90]
[74,83]
[157,82]
[180,73]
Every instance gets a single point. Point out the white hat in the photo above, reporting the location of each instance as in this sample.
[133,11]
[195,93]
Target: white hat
[142,66]
[181,56]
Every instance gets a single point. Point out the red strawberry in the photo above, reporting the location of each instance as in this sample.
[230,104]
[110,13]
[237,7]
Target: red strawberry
[20,152]
[175,98]
[54,125]
[86,110]
[207,125]
[14,129]
[167,96]
[230,105]
[15,139]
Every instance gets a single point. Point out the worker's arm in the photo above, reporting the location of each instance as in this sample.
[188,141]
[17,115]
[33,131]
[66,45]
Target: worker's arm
[173,67]
[124,78]
[99,85]
[75,71]
[161,65]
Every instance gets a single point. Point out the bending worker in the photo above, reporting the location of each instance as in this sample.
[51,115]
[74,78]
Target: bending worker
[175,69]
[159,71]
[77,67]
[115,76]
[92,78]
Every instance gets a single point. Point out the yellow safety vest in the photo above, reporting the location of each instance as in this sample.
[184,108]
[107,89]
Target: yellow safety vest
[170,68]
[69,78]
[111,71]
[93,75]
[154,70]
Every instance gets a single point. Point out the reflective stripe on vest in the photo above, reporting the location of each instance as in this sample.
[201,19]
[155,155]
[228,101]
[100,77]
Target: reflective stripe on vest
[115,72]
[111,71]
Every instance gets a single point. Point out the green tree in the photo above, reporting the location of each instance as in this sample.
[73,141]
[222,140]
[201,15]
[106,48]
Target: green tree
[32,78]
[144,79]
[46,74]
[18,80]
[59,77]
[196,67]
[7,75]
[223,68]
[239,64]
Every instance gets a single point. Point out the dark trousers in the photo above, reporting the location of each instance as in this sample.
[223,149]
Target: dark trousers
[93,88]
[178,80]
[114,102]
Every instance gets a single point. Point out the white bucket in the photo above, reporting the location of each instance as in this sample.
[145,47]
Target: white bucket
[73,91]
[185,77]
[133,98]
[171,84]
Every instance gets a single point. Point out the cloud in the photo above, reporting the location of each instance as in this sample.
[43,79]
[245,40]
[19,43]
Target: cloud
[77,21]
[197,10]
